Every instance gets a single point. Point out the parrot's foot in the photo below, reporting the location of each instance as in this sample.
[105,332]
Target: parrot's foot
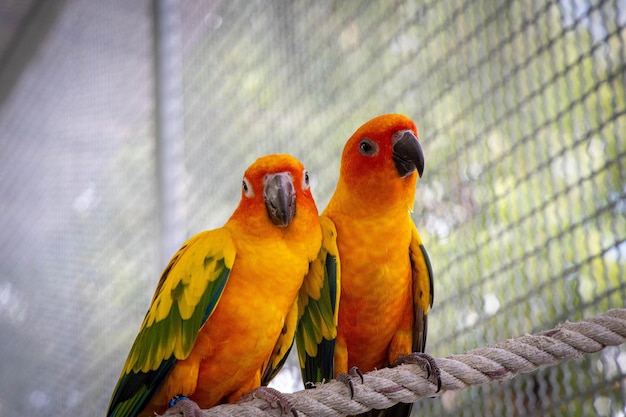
[348,378]
[426,362]
[273,397]
[183,406]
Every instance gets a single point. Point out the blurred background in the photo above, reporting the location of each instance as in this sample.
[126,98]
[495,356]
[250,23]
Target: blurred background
[126,126]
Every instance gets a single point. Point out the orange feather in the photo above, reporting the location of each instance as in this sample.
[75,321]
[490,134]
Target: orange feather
[371,211]
[223,316]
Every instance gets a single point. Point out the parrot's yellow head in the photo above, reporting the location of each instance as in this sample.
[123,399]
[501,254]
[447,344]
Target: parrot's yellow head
[382,160]
[276,190]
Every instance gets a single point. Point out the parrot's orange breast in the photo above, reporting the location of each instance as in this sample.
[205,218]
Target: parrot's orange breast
[376,287]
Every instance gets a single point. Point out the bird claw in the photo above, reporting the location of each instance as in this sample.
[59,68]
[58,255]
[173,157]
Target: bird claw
[347,379]
[273,397]
[426,362]
[183,406]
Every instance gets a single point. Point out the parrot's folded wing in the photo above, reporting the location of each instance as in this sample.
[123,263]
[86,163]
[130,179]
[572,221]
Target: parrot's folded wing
[187,294]
[422,290]
[318,307]
[282,347]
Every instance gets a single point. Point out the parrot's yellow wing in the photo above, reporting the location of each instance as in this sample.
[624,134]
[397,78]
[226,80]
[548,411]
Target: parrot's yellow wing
[186,295]
[318,306]
[422,290]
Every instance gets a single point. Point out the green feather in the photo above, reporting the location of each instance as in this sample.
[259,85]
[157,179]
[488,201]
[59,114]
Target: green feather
[317,327]
[161,342]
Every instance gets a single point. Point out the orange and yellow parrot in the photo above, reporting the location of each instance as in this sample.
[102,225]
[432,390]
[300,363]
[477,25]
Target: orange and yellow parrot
[223,316]
[372,261]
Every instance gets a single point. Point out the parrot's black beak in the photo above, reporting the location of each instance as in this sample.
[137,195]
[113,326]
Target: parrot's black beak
[407,153]
[280,198]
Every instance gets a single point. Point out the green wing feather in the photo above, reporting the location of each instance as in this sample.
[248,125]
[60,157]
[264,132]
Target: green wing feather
[423,291]
[188,292]
[318,307]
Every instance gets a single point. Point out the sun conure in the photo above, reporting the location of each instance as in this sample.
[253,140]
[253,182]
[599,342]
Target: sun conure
[374,279]
[223,316]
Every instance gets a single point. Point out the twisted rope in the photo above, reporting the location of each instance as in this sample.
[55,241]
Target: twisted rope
[408,383]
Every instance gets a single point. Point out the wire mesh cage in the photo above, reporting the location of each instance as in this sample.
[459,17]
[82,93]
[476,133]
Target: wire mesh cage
[521,111]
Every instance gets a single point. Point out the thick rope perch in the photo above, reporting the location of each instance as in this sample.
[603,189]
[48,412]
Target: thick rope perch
[407,383]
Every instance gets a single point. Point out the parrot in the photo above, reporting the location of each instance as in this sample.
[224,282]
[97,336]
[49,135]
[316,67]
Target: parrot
[222,319]
[366,306]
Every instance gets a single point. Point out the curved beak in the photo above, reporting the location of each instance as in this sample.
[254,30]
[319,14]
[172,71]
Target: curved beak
[407,153]
[280,198]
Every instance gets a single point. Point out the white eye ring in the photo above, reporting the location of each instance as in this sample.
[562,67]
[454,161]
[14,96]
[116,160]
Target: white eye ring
[306,180]
[247,188]
[368,147]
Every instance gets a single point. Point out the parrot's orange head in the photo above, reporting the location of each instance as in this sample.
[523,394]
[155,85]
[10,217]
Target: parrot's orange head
[276,189]
[382,159]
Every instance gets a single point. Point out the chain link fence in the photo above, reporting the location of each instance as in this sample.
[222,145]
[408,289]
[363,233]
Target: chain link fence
[521,110]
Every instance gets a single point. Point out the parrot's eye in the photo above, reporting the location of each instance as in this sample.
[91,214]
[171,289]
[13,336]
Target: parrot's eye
[367,147]
[306,181]
[247,188]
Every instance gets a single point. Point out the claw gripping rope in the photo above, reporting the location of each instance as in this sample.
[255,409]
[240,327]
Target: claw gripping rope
[408,383]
